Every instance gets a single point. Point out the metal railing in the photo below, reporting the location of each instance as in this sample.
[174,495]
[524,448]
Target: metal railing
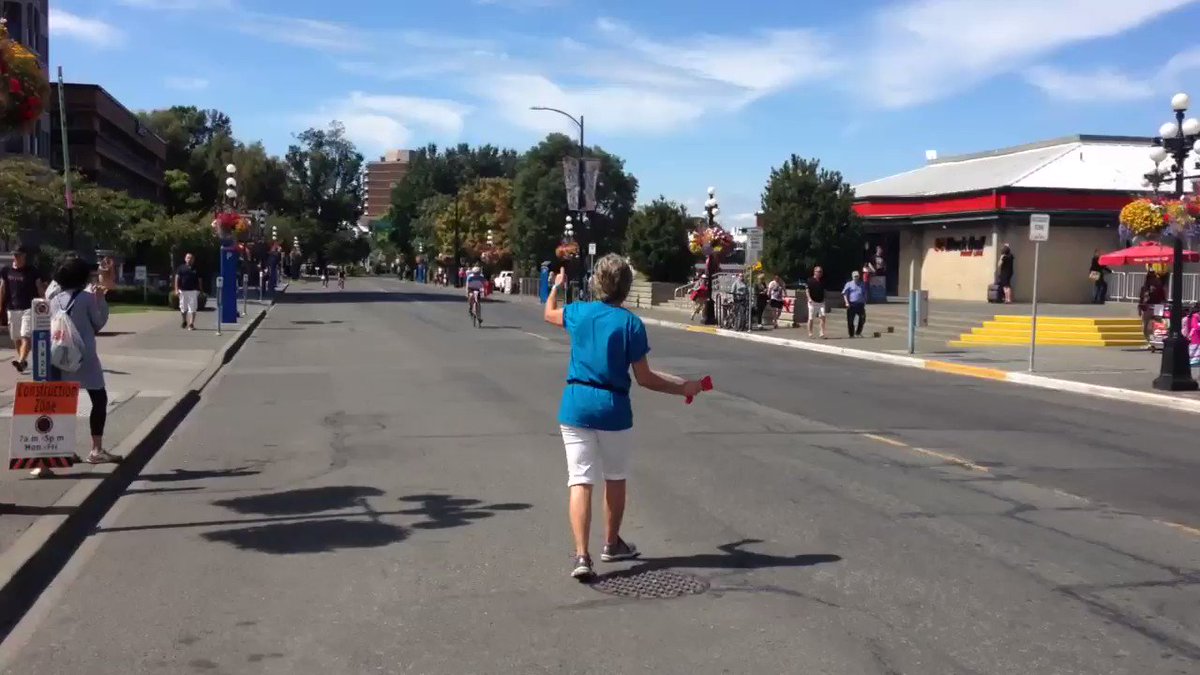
[1127,286]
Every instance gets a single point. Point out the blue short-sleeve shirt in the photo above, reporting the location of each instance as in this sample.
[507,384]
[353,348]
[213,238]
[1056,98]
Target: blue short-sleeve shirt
[605,342]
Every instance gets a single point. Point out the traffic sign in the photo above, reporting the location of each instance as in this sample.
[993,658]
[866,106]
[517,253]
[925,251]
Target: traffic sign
[43,425]
[40,311]
[754,240]
[139,273]
[592,248]
[220,282]
[1039,227]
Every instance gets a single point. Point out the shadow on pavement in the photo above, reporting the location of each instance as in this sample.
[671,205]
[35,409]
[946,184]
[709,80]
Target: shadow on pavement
[362,297]
[311,536]
[159,491]
[443,511]
[303,501]
[181,475]
[317,323]
[730,558]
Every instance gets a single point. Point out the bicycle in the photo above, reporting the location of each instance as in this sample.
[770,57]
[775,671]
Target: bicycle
[475,309]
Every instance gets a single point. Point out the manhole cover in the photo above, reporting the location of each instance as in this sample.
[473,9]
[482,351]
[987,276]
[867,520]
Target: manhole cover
[650,584]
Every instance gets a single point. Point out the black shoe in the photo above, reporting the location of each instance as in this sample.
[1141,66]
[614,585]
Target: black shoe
[622,550]
[23,366]
[16,365]
[583,568]
[183,323]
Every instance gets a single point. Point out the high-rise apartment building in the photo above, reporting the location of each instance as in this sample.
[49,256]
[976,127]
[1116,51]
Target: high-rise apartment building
[27,22]
[379,179]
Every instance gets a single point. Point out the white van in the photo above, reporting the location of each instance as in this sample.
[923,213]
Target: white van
[504,282]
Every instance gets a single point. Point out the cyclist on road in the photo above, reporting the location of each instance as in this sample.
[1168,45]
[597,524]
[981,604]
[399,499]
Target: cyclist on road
[474,283]
[342,278]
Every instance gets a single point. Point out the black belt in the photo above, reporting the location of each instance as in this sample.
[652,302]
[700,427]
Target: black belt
[596,385]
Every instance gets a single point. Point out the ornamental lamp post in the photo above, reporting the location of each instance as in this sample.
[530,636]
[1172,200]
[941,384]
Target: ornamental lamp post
[1175,141]
[712,209]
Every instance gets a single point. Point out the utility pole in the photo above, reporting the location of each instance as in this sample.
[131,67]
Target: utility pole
[70,199]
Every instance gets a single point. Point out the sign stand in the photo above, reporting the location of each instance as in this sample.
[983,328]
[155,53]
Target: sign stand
[140,274]
[43,421]
[912,306]
[1039,231]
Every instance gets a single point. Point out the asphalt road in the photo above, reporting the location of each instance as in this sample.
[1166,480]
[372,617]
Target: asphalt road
[373,486]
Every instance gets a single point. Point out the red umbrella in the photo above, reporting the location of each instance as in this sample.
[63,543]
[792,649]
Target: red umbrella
[1146,253]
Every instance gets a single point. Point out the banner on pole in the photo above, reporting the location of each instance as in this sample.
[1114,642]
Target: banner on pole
[591,179]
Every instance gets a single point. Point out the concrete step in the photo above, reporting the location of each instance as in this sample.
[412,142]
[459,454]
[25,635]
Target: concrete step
[970,340]
[1050,332]
[1067,321]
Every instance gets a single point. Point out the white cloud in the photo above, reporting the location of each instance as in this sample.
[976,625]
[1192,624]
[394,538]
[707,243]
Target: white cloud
[923,50]
[522,4]
[92,31]
[186,83]
[377,122]
[1096,85]
[607,108]
[177,5]
[324,36]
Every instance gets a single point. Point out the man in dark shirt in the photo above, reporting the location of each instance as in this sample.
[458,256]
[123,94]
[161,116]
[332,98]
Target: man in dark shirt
[187,288]
[816,300]
[20,284]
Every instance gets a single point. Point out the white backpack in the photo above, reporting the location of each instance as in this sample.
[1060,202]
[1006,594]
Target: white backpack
[66,347]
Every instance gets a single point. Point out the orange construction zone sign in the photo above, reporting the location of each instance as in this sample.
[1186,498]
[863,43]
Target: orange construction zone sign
[43,425]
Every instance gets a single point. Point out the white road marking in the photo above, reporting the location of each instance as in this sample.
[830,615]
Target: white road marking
[540,337]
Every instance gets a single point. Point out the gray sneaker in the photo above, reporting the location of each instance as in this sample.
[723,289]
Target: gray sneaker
[622,550]
[583,568]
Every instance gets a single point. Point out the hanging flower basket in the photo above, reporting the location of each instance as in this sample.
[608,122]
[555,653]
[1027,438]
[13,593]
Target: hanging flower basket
[492,256]
[568,251]
[714,238]
[23,85]
[1143,218]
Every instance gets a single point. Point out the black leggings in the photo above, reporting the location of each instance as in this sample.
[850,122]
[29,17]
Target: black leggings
[99,410]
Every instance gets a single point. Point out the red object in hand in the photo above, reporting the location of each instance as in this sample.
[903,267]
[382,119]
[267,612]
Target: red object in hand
[705,385]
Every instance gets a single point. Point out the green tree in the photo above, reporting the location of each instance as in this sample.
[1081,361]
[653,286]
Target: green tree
[171,237]
[199,142]
[262,178]
[180,197]
[540,202]
[442,172]
[347,249]
[657,241]
[809,221]
[325,184]
[482,206]
[32,198]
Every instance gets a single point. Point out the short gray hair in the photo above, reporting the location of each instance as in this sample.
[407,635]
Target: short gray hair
[611,279]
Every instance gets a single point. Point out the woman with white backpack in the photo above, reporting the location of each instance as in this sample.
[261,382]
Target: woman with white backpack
[87,310]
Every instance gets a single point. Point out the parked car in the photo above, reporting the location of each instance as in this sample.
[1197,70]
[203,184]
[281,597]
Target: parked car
[504,282]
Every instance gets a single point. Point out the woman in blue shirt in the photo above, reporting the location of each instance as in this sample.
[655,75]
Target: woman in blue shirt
[596,415]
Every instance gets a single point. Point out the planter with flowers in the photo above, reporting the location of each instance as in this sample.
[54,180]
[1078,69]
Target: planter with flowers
[567,251]
[1152,220]
[24,88]
[713,240]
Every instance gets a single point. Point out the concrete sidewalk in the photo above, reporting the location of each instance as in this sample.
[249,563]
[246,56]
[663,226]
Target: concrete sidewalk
[148,361]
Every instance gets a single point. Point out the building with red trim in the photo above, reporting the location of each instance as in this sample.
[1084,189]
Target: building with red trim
[948,219]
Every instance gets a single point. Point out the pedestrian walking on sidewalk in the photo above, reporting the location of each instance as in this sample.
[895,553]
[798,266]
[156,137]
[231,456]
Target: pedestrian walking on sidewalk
[595,414]
[775,293]
[1004,273]
[855,295]
[20,285]
[88,310]
[816,301]
[1191,329]
[187,289]
[1096,273]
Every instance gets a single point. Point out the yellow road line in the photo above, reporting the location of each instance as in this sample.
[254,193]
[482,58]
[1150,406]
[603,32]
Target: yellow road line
[702,329]
[970,371]
[950,459]
[1182,528]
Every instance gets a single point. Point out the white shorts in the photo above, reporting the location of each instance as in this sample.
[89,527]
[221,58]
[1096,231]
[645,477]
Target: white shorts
[20,324]
[593,454]
[816,310]
[189,301]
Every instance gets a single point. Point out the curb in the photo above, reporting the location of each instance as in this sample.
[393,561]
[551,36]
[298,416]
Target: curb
[28,566]
[1026,379]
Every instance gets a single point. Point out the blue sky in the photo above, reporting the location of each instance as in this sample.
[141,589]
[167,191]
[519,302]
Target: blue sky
[691,94]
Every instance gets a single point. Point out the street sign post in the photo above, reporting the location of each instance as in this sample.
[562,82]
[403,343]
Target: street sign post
[43,425]
[140,274]
[41,340]
[1039,231]
[220,297]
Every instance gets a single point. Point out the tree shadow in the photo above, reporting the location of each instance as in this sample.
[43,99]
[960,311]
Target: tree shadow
[310,536]
[732,557]
[444,512]
[26,510]
[181,475]
[303,501]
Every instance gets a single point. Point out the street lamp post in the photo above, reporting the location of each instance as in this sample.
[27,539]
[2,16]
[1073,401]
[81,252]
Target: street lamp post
[1176,139]
[230,261]
[579,191]
[712,210]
